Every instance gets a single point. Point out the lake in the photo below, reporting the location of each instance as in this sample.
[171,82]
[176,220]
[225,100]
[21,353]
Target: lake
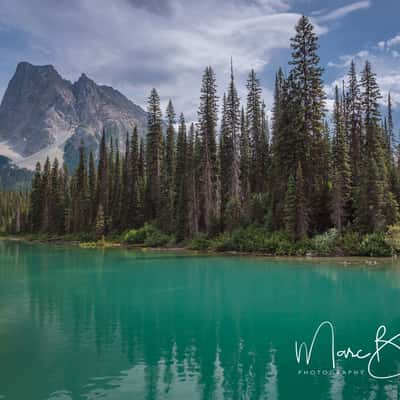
[119,324]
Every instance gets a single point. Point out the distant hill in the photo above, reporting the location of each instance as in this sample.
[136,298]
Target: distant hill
[43,114]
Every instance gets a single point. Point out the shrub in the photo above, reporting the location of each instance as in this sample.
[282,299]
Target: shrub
[157,238]
[393,238]
[148,235]
[349,243]
[375,245]
[325,244]
[85,237]
[257,239]
[200,242]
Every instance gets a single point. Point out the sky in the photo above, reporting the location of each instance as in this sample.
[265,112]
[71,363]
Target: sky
[135,45]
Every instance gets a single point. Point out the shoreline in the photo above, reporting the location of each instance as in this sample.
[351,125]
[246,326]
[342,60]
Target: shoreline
[342,258]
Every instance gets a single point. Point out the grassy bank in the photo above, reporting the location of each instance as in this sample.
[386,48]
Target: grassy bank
[251,239]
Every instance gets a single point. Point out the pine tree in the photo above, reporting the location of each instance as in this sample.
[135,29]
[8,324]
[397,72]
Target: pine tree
[45,190]
[254,126]
[372,185]
[100,223]
[36,201]
[66,188]
[142,183]
[245,161]
[288,145]
[307,75]
[353,103]
[390,129]
[192,199]
[125,198]
[296,212]
[233,128]
[110,176]
[341,168]
[170,152]
[302,211]
[181,210]
[102,177]
[290,208]
[133,203]
[154,150]
[208,151]
[56,210]
[80,201]
[116,204]
[92,190]
[226,157]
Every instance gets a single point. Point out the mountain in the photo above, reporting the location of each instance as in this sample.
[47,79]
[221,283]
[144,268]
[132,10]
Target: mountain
[13,177]
[42,114]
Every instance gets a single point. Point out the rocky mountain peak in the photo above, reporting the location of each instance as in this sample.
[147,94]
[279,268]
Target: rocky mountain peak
[41,111]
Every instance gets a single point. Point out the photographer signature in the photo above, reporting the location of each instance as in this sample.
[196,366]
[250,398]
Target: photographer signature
[373,357]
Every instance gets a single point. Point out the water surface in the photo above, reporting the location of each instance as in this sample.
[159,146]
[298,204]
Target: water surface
[117,324]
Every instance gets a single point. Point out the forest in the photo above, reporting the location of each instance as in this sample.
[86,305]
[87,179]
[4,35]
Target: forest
[303,178]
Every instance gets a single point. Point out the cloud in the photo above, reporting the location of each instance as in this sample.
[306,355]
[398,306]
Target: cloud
[389,44]
[344,11]
[135,45]
[384,62]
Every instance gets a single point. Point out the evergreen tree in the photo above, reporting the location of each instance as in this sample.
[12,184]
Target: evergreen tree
[56,210]
[154,154]
[134,204]
[208,151]
[92,190]
[192,199]
[307,75]
[288,145]
[170,152]
[390,129]
[233,129]
[226,157]
[116,204]
[301,205]
[100,223]
[102,177]
[296,213]
[290,207]
[254,126]
[372,184]
[125,195]
[245,161]
[354,128]
[341,168]
[36,202]
[181,210]
[45,190]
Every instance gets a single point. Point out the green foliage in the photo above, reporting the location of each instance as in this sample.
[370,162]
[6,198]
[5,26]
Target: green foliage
[349,243]
[200,242]
[259,240]
[393,237]
[158,239]
[301,183]
[100,224]
[148,235]
[375,245]
[325,244]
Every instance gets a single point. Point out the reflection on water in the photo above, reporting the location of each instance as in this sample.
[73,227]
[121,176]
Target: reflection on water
[91,324]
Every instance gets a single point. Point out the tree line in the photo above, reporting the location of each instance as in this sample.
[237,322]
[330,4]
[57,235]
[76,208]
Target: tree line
[305,174]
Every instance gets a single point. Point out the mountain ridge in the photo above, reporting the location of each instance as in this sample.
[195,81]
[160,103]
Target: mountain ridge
[42,113]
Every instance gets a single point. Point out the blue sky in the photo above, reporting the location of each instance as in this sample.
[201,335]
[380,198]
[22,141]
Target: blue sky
[135,45]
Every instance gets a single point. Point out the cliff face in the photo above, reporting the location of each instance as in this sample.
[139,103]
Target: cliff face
[42,111]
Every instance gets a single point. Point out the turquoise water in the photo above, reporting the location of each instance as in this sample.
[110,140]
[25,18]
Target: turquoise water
[115,324]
